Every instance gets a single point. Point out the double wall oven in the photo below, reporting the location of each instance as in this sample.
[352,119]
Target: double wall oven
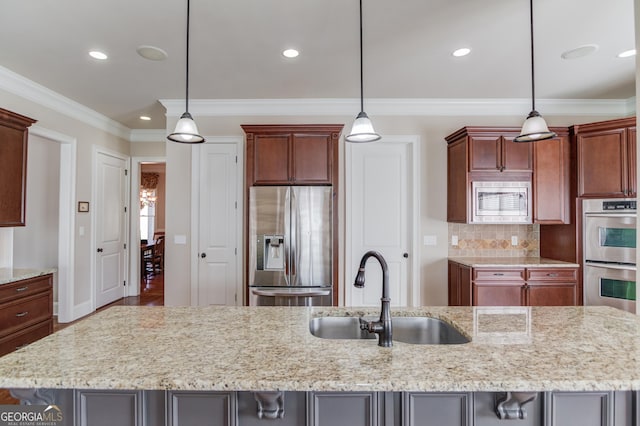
[610,252]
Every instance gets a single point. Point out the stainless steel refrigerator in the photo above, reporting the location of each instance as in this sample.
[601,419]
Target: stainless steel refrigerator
[290,245]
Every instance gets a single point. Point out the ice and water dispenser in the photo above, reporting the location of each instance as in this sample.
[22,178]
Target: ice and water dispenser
[271,253]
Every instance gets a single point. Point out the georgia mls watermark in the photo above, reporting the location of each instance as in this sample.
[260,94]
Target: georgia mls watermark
[31,415]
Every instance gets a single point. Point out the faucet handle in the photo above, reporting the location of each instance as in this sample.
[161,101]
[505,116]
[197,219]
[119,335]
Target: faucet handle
[364,324]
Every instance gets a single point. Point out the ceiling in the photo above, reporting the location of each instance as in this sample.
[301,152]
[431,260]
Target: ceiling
[236,50]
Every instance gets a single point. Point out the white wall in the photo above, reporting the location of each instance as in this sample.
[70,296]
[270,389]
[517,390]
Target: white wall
[35,245]
[86,137]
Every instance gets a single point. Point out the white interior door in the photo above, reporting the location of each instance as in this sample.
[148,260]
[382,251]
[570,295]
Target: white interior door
[110,228]
[219,216]
[378,210]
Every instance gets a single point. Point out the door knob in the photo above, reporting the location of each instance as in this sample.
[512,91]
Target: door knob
[100,250]
[406,255]
[203,255]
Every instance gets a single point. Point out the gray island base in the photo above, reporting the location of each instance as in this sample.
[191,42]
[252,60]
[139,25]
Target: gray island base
[261,366]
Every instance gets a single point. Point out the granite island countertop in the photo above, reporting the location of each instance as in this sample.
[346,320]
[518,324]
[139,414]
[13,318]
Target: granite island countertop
[515,262]
[10,275]
[271,348]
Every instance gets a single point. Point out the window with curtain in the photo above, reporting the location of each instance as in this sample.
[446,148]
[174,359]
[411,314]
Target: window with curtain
[148,186]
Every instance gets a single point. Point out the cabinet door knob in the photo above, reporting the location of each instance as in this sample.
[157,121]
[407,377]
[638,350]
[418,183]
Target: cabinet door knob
[203,255]
[22,314]
[552,275]
[21,289]
[498,274]
[100,250]
[405,255]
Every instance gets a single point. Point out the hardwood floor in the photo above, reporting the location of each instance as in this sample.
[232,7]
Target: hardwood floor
[151,294]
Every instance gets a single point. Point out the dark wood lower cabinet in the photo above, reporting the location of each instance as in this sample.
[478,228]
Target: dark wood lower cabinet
[495,286]
[187,408]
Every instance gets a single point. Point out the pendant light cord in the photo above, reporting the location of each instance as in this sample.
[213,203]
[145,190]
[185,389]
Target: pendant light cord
[361,66]
[533,84]
[186,97]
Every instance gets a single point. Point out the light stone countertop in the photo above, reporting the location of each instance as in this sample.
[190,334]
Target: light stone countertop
[270,348]
[10,275]
[516,262]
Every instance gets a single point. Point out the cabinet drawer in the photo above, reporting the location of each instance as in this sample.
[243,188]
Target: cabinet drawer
[497,274]
[552,274]
[24,288]
[24,337]
[24,312]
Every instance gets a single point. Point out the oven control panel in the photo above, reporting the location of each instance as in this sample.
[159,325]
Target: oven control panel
[619,205]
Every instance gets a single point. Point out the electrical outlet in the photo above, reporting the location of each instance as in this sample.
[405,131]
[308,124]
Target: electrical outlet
[454,240]
[514,240]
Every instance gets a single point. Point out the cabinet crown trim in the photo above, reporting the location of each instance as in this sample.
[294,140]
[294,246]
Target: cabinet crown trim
[603,125]
[294,128]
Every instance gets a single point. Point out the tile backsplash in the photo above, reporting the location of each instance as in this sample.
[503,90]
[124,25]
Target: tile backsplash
[494,240]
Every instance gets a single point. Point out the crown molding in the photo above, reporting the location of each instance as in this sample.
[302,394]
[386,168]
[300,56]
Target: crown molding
[148,135]
[30,90]
[393,107]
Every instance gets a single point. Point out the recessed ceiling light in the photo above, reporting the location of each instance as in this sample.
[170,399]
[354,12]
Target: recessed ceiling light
[96,54]
[145,118]
[290,53]
[579,52]
[152,53]
[461,52]
[627,53]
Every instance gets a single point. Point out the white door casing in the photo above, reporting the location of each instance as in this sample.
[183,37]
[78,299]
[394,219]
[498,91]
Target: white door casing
[110,228]
[381,214]
[217,177]
[65,306]
[133,283]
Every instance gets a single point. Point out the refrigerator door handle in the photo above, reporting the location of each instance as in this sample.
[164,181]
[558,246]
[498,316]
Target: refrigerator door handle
[293,236]
[287,236]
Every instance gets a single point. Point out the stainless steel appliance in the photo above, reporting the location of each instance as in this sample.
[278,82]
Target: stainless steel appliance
[501,202]
[290,245]
[610,252]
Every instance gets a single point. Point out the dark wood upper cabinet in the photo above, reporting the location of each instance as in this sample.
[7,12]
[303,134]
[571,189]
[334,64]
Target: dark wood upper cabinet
[491,149]
[490,154]
[458,183]
[606,158]
[551,180]
[13,163]
[292,154]
[516,156]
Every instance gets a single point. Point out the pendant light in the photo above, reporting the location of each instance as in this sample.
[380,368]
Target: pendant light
[186,130]
[534,127]
[362,129]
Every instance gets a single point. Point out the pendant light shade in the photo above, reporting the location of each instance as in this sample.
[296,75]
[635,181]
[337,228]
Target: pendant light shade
[362,129]
[534,127]
[186,130]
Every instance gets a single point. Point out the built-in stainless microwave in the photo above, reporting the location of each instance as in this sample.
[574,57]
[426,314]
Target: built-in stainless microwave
[501,202]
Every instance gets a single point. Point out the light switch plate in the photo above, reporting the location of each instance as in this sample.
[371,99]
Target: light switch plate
[430,240]
[454,240]
[180,239]
[514,240]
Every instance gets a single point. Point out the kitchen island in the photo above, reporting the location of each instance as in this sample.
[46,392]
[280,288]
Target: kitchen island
[243,365]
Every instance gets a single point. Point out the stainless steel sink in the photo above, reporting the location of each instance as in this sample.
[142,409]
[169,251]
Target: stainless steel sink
[416,330]
[338,328]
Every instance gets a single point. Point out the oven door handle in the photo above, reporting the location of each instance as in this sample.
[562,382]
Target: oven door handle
[610,215]
[610,266]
